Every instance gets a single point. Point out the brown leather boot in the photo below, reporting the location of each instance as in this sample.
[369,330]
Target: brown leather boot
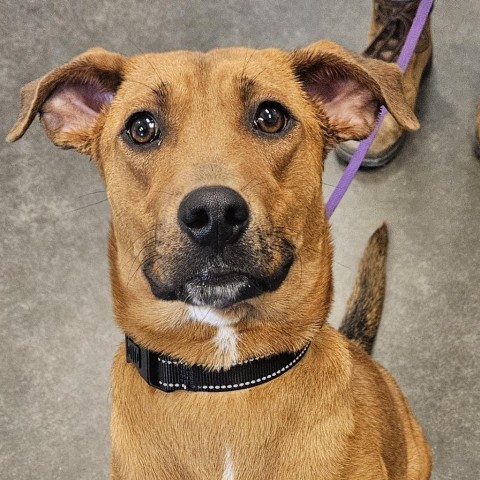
[477,139]
[391,22]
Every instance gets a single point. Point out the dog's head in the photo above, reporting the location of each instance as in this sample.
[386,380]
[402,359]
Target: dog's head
[212,164]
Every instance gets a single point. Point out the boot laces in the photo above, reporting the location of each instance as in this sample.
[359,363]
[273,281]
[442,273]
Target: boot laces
[396,19]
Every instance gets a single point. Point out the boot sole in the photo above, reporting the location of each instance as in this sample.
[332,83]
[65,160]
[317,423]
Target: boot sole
[371,162]
[377,161]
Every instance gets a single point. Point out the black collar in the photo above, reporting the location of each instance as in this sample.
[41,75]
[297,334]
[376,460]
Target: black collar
[167,374]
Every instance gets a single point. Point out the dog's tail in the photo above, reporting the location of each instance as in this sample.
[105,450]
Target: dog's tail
[364,307]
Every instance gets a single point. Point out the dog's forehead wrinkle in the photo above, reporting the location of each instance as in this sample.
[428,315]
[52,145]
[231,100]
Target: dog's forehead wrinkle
[165,73]
[218,78]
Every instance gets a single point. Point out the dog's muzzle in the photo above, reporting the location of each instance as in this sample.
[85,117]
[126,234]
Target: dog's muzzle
[219,266]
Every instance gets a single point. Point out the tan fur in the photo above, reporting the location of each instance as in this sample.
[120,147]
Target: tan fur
[337,414]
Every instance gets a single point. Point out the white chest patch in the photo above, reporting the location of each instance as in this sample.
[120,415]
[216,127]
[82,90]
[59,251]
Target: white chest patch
[226,337]
[228,472]
[226,342]
[207,315]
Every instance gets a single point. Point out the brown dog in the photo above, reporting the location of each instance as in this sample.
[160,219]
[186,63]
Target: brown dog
[220,255]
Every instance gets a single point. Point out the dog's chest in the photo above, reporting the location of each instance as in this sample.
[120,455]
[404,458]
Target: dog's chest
[233,436]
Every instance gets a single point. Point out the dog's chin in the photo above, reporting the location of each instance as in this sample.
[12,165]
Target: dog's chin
[218,289]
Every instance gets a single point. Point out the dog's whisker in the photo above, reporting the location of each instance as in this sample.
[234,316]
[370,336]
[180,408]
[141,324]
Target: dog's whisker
[139,50]
[206,314]
[148,260]
[153,89]
[149,241]
[244,188]
[144,234]
[173,194]
[86,206]
[342,265]
[134,260]
[311,250]
[90,193]
[246,62]
[132,276]
[163,86]
[253,183]
[259,73]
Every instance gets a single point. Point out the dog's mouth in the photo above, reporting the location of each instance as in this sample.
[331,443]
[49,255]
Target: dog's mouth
[218,287]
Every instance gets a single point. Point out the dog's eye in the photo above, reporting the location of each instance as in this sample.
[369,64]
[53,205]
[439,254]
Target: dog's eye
[142,128]
[271,117]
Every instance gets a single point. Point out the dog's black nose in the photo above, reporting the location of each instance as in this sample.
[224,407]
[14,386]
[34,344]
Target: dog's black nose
[213,216]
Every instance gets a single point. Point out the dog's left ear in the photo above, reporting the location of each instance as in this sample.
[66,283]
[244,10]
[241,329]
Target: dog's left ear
[350,89]
[70,98]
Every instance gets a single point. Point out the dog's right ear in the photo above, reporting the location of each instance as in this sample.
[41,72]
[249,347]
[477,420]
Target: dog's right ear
[70,98]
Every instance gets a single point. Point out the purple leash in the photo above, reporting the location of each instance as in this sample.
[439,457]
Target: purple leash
[403,60]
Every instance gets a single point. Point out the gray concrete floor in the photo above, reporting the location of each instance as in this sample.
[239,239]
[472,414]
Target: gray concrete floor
[58,336]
